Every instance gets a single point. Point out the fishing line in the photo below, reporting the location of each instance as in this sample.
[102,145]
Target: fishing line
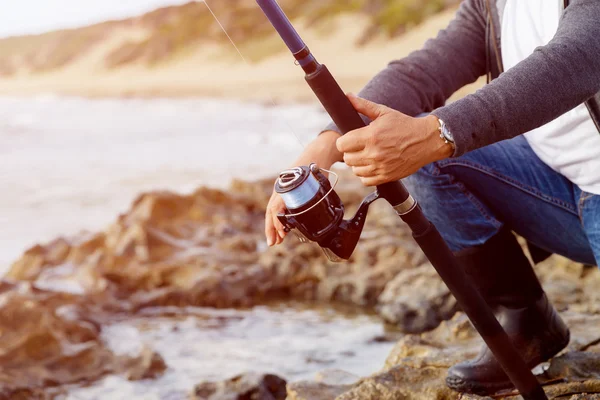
[272,100]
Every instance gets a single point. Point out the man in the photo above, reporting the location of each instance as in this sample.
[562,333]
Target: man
[522,154]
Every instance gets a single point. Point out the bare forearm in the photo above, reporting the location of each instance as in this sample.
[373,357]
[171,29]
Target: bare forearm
[322,151]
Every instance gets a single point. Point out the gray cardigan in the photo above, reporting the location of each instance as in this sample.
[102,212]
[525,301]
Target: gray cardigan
[553,80]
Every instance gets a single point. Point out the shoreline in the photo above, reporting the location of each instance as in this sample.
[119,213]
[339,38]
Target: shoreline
[278,97]
[219,262]
[283,92]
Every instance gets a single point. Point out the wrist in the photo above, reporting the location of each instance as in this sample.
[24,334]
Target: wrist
[322,151]
[441,148]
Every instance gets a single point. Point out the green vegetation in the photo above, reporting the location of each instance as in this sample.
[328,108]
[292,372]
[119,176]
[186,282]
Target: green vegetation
[395,17]
[176,29]
[172,29]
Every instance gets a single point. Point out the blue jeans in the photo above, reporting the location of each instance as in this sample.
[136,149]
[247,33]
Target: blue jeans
[471,197]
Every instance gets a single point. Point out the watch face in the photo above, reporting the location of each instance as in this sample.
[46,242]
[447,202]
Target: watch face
[447,134]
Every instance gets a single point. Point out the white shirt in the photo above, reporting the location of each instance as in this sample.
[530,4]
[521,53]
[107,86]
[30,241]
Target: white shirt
[571,143]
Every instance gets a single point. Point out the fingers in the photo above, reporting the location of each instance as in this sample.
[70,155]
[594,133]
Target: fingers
[270,232]
[279,228]
[366,107]
[364,171]
[372,181]
[356,159]
[352,141]
[358,139]
[274,229]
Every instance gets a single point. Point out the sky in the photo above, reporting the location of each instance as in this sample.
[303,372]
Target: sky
[19,17]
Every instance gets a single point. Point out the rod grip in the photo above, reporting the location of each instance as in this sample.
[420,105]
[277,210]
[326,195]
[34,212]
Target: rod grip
[347,119]
[334,100]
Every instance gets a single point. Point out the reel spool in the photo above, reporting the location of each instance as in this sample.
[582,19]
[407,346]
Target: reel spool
[315,211]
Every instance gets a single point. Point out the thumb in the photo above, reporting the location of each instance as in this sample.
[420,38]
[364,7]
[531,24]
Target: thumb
[366,107]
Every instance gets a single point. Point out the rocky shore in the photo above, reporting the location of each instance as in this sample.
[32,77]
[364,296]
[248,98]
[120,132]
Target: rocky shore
[207,249]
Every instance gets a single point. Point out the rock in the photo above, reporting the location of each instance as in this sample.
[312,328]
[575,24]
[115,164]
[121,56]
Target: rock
[32,394]
[34,259]
[207,249]
[243,387]
[417,367]
[336,377]
[575,365]
[402,382]
[315,391]
[50,339]
[147,365]
[571,285]
[416,300]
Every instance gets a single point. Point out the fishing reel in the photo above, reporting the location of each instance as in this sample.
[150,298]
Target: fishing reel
[316,213]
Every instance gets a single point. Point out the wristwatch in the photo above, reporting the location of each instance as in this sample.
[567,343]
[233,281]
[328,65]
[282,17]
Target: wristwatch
[446,135]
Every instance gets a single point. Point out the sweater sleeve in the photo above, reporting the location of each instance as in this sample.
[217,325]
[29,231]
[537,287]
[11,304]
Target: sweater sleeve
[425,79]
[553,80]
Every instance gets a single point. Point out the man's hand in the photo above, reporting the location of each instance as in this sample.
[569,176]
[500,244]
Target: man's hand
[393,146]
[321,151]
[273,227]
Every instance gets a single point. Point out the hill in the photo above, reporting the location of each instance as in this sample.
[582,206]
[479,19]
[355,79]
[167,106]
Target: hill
[181,50]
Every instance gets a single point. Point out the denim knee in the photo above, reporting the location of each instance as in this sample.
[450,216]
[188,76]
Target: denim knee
[424,187]
[462,220]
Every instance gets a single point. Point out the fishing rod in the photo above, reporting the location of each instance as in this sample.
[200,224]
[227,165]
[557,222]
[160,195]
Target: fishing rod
[315,212]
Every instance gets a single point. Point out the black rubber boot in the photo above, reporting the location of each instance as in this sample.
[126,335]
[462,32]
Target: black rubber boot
[506,279]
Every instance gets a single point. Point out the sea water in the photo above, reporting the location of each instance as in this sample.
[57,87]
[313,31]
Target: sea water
[291,341]
[69,164]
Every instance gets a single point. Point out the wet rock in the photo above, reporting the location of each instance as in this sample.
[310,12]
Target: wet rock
[416,300]
[243,387]
[51,338]
[207,249]
[417,367]
[35,259]
[32,394]
[571,285]
[146,365]
[315,391]
[336,377]
[575,365]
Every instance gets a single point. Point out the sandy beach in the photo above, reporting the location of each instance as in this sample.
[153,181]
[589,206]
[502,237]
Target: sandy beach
[218,71]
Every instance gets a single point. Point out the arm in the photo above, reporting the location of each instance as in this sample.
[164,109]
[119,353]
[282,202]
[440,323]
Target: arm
[419,83]
[425,79]
[553,80]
